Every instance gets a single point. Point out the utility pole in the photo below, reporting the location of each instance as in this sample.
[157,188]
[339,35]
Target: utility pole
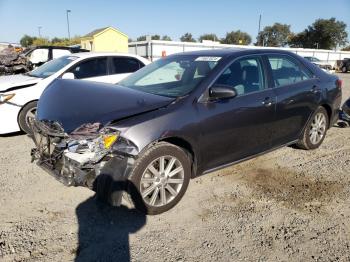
[39,28]
[259,25]
[67,12]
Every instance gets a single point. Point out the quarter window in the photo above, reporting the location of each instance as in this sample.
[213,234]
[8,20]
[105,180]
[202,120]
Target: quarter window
[121,65]
[286,71]
[91,68]
[244,75]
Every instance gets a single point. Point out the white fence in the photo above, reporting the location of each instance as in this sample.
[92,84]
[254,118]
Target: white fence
[155,49]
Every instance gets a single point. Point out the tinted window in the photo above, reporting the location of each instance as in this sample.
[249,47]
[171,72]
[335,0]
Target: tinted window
[244,75]
[52,67]
[122,65]
[287,71]
[91,68]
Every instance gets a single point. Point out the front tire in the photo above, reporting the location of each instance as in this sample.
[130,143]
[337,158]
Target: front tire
[26,115]
[160,178]
[315,131]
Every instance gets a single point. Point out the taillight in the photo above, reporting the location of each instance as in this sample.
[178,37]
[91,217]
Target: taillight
[339,83]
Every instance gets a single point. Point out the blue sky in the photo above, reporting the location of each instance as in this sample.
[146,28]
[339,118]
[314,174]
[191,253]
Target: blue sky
[174,18]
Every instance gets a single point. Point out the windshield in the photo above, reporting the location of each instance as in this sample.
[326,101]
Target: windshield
[172,77]
[52,67]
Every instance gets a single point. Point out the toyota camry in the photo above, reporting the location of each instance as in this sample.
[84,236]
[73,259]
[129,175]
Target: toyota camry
[180,117]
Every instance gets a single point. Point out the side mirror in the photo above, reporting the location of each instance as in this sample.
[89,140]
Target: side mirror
[222,92]
[68,76]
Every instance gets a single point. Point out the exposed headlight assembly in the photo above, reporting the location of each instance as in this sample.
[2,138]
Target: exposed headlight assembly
[6,97]
[109,140]
[92,149]
[102,143]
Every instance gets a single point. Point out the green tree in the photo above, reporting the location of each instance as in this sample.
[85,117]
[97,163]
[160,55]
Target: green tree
[323,33]
[302,39]
[347,48]
[27,40]
[56,40]
[144,37]
[187,38]
[155,37]
[141,38]
[166,38]
[211,36]
[237,38]
[275,35]
[41,41]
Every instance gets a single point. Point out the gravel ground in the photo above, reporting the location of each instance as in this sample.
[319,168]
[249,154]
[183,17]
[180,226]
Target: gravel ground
[288,205]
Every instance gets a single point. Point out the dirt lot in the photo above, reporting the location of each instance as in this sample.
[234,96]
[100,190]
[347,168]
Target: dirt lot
[288,205]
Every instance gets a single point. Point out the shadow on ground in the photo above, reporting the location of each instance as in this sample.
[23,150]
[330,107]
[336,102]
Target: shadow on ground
[19,133]
[104,231]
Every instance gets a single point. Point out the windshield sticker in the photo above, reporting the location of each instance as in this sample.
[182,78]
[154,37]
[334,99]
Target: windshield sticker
[208,58]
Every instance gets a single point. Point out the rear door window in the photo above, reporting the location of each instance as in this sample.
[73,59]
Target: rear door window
[40,55]
[92,68]
[287,71]
[122,65]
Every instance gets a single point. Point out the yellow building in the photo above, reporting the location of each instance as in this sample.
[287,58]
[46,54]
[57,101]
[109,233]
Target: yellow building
[107,39]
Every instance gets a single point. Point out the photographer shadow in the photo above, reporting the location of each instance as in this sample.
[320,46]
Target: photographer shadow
[104,230]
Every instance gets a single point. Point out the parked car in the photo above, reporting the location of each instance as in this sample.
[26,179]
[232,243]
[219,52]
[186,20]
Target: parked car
[41,54]
[12,62]
[320,63]
[343,65]
[19,93]
[180,117]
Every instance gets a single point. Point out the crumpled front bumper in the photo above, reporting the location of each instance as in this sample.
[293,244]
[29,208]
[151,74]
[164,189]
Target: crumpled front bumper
[68,168]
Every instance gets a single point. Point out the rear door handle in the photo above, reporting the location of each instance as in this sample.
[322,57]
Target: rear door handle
[315,89]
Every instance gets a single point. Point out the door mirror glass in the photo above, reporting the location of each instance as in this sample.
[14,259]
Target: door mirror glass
[68,76]
[222,92]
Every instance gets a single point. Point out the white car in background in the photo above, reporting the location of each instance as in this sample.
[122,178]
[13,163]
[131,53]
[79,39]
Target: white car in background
[19,93]
[322,64]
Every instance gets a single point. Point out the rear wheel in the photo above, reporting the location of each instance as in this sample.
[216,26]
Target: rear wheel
[27,115]
[344,69]
[160,178]
[315,131]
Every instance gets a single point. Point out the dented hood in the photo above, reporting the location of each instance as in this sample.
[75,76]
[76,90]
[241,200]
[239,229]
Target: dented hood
[75,102]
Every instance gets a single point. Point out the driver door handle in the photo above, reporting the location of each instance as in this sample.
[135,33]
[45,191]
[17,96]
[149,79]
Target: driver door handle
[268,102]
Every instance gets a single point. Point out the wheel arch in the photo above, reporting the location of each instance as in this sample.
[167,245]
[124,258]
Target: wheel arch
[20,111]
[329,112]
[183,143]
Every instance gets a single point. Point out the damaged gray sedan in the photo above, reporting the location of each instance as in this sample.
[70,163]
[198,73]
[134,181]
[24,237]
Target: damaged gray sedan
[180,117]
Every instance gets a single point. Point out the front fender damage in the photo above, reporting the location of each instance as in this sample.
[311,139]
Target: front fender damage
[81,161]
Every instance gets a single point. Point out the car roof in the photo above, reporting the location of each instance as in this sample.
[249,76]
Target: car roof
[97,54]
[56,47]
[234,52]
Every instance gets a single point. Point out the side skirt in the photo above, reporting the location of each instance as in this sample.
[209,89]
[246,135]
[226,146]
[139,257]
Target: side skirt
[247,158]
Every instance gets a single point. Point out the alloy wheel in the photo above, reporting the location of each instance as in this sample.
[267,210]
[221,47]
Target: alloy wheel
[162,181]
[30,116]
[318,128]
